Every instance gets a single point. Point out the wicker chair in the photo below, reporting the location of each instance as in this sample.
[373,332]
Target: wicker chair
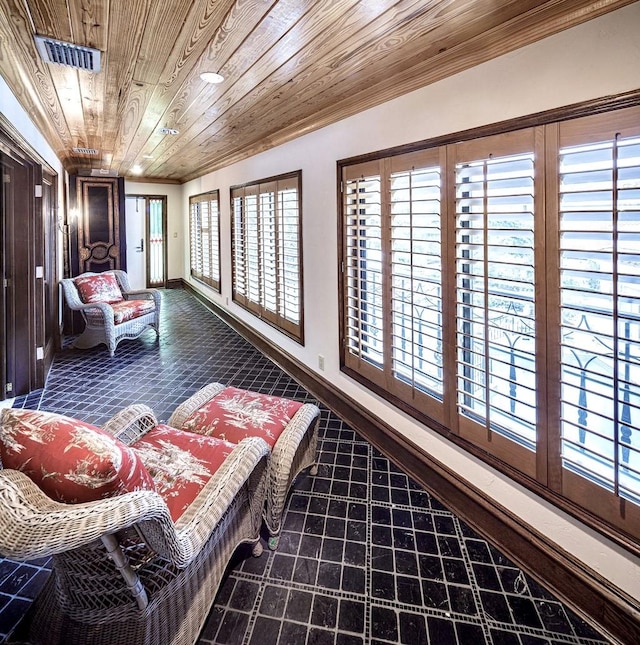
[100,319]
[123,572]
[294,451]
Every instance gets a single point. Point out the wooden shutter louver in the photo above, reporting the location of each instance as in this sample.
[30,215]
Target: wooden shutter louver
[496,343]
[416,275]
[363,268]
[599,234]
[266,251]
[205,238]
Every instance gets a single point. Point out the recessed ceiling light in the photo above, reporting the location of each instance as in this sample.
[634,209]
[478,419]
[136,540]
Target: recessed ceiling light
[211,77]
[136,170]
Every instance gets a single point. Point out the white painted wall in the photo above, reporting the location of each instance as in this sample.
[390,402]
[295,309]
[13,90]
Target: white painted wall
[177,244]
[12,110]
[596,59]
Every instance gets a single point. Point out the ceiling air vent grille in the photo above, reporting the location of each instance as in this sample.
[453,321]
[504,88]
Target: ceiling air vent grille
[85,151]
[56,51]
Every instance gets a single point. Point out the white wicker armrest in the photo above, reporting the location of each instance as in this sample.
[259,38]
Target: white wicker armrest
[105,309]
[288,442]
[131,423]
[198,522]
[32,525]
[138,294]
[195,401]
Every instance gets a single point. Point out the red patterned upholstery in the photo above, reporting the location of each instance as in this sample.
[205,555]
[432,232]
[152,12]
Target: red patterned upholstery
[123,311]
[181,463]
[235,414]
[71,461]
[101,287]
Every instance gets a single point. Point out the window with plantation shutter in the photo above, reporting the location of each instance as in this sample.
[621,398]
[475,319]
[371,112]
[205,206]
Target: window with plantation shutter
[204,214]
[599,311]
[267,258]
[496,390]
[393,276]
[491,288]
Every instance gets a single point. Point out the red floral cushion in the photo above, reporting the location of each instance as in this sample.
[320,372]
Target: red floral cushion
[180,463]
[236,414]
[102,287]
[70,461]
[130,309]
[122,311]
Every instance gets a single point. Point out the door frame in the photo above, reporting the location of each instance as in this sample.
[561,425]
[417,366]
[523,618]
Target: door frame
[147,236]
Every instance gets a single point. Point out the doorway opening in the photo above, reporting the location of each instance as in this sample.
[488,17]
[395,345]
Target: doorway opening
[146,225]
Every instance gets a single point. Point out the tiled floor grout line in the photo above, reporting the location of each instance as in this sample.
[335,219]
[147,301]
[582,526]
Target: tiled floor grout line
[475,588]
[368,553]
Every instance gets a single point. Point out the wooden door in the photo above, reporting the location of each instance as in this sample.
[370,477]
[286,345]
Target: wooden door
[27,326]
[97,227]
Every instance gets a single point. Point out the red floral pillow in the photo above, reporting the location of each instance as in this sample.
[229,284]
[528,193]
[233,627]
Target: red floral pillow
[181,463]
[236,414]
[101,287]
[71,461]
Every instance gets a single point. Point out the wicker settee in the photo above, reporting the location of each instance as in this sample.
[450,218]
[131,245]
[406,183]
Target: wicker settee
[290,428]
[124,569]
[111,310]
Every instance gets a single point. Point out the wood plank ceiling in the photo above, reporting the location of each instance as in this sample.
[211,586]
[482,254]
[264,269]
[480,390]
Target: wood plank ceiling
[290,66]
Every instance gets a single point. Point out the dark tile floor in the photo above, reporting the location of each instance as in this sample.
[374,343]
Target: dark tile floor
[366,556]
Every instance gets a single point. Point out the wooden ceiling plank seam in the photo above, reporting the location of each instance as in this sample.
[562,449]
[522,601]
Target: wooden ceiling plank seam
[28,75]
[166,19]
[51,18]
[247,88]
[229,29]
[197,28]
[504,38]
[126,26]
[341,24]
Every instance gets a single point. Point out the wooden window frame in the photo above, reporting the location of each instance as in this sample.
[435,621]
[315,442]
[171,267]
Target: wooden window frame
[198,237]
[616,518]
[261,257]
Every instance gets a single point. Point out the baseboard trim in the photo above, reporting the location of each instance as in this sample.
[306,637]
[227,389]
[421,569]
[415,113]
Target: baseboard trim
[591,595]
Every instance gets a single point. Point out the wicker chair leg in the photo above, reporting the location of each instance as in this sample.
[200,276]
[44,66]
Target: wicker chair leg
[122,564]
